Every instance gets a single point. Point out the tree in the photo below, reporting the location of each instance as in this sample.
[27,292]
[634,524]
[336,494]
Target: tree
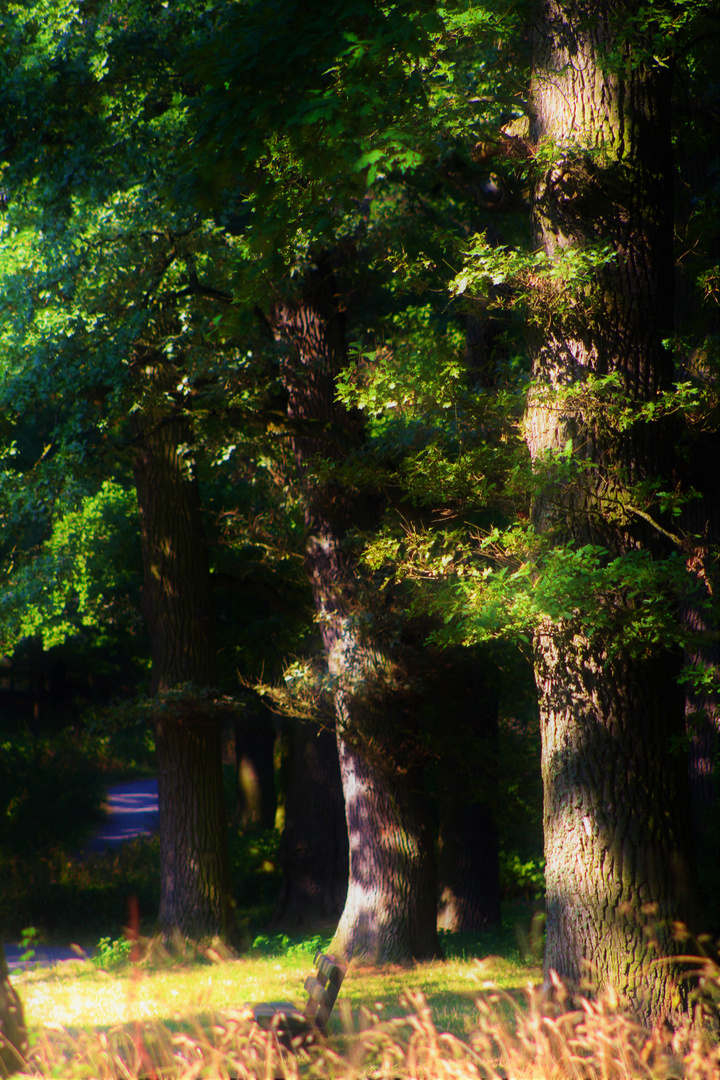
[109,331]
[13,1033]
[195,898]
[467,747]
[315,123]
[336,162]
[390,909]
[697,335]
[617,842]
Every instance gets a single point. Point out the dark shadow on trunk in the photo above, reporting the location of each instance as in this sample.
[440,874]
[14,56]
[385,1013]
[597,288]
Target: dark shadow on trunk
[617,832]
[391,908]
[698,322]
[619,867]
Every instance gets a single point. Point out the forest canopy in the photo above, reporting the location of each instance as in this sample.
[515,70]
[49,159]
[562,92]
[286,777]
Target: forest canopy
[380,341]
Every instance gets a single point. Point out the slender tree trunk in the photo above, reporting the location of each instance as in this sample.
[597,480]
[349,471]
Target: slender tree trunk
[390,910]
[13,1032]
[391,907]
[617,837]
[468,866]
[177,599]
[314,845]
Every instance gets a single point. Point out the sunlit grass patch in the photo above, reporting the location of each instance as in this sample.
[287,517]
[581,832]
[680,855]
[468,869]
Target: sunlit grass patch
[523,1037]
[110,990]
[79,995]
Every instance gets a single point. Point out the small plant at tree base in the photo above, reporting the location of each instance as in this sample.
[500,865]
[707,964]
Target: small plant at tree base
[112,954]
[28,939]
[282,945]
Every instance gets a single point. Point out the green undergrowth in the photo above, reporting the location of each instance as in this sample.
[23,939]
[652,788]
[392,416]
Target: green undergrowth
[69,896]
[52,788]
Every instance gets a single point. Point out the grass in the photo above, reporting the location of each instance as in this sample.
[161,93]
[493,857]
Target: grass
[478,1015]
[77,1011]
[187,1021]
[80,994]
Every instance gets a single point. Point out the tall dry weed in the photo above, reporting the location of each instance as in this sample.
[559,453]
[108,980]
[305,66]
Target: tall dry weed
[532,1036]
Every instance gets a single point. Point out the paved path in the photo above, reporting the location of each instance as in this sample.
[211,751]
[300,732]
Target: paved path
[132,810]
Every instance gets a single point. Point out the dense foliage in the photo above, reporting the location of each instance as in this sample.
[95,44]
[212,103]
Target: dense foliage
[173,173]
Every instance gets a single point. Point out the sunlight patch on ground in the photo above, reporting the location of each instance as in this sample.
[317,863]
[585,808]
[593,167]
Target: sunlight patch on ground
[77,995]
[89,998]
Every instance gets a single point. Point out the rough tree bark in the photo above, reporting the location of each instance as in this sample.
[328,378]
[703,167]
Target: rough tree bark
[615,798]
[390,911]
[177,599]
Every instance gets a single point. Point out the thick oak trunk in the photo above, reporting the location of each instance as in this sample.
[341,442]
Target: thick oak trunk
[617,842]
[177,600]
[391,908]
[616,806]
[195,896]
[390,911]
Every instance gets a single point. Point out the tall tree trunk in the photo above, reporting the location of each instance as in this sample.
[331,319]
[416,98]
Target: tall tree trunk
[390,910]
[13,1032]
[616,804]
[468,861]
[391,907]
[194,861]
[314,844]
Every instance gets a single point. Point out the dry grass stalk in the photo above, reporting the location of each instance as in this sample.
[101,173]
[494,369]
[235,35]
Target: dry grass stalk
[537,1037]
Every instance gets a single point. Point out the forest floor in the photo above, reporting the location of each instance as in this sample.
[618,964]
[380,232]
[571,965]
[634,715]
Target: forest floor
[84,994]
[71,995]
